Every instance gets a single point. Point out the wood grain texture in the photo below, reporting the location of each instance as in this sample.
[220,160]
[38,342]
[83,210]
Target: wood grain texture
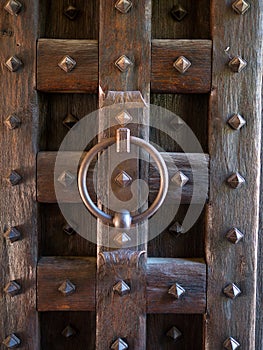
[165,78]
[232,151]
[83,78]
[18,207]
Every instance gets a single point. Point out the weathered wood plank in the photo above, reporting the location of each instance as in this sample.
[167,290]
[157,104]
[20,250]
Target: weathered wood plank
[82,78]
[161,275]
[234,151]
[19,147]
[166,78]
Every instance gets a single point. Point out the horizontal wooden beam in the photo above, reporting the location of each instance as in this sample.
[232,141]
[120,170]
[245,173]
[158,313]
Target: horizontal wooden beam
[83,78]
[162,274]
[194,166]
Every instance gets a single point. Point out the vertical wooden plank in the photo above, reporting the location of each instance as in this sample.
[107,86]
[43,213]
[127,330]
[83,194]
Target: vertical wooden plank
[234,151]
[122,34]
[18,206]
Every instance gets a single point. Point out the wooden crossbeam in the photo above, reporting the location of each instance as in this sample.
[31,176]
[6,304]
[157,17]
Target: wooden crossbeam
[162,273]
[84,76]
[175,162]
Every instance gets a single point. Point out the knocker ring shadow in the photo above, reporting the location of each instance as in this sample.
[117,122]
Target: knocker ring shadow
[129,184]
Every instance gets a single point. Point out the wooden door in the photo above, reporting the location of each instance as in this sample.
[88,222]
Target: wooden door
[192,290]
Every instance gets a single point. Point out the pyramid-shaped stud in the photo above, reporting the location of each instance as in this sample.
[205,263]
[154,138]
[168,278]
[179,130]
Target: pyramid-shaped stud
[12,341]
[236,121]
[234,235]
[240,6]
[123,179]
[122,238]
[66,178]
[70,121]
[13,7]
[12,288]
[68,332]
[232,291]
[123,118]
[178,12]
[119,344]
[67,64]
[71,12]
[121,288]
[180,179]
[12,122]
[15,178]
[174,333]
[69,230]
[182,64]
[176,228]
[176,290]
[231,344]
[13,64]
[236,180]
[123,63]
[123,5]
[67,288]
[237,64]
[12,235]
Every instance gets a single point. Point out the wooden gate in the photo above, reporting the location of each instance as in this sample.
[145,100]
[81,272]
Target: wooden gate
[194,290]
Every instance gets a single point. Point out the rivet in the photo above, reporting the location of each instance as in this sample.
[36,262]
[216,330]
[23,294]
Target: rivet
[123,179]
[234,235]
[69,230]
[122,238]
[12,288]
[121,288]
[123,63]
[12,235]
[176,290]
[176,228]
[178,12]
[182,64]
[231,344]
[236,121]
[15,178]
[13,63]
[12,122]
[240,6]
[174,333]
[119,344]
[68,332]
[12,341]
[71,12]
[66,178]
[124,118]
[13,7]
[67,64]
[180,179]
[70,121]
[67,288]
[232,291]
[235,180]
[237,64]
[123,5]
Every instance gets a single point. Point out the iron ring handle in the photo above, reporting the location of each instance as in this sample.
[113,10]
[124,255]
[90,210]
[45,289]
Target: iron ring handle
[107,218]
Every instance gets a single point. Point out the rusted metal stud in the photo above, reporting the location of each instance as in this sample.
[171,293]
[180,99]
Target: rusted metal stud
[231,344]
[123,5]
[234,235]
[180,179]
[15,178]
[69,230]
[121,288]
[236,180]
[123,140]
[176,228]
[12,341]
[237,64]
[240,6]
[182,64]
[123,179]
[68,332]
[13,7]
[70,121]
[12,288]
[12,235]
[236,121]
[174,333]
[123,63]
[13,63]
[176,290]
[124,118]
[122,238]
[179,12]
[232,291]
[66,178]
[12,122]
[67,64]
[71,12]
[119,344]
[67,288]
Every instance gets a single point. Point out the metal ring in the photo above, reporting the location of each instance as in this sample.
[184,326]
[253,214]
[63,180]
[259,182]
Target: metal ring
[82,181]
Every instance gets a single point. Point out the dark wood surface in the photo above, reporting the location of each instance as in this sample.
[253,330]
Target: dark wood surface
[232,151]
